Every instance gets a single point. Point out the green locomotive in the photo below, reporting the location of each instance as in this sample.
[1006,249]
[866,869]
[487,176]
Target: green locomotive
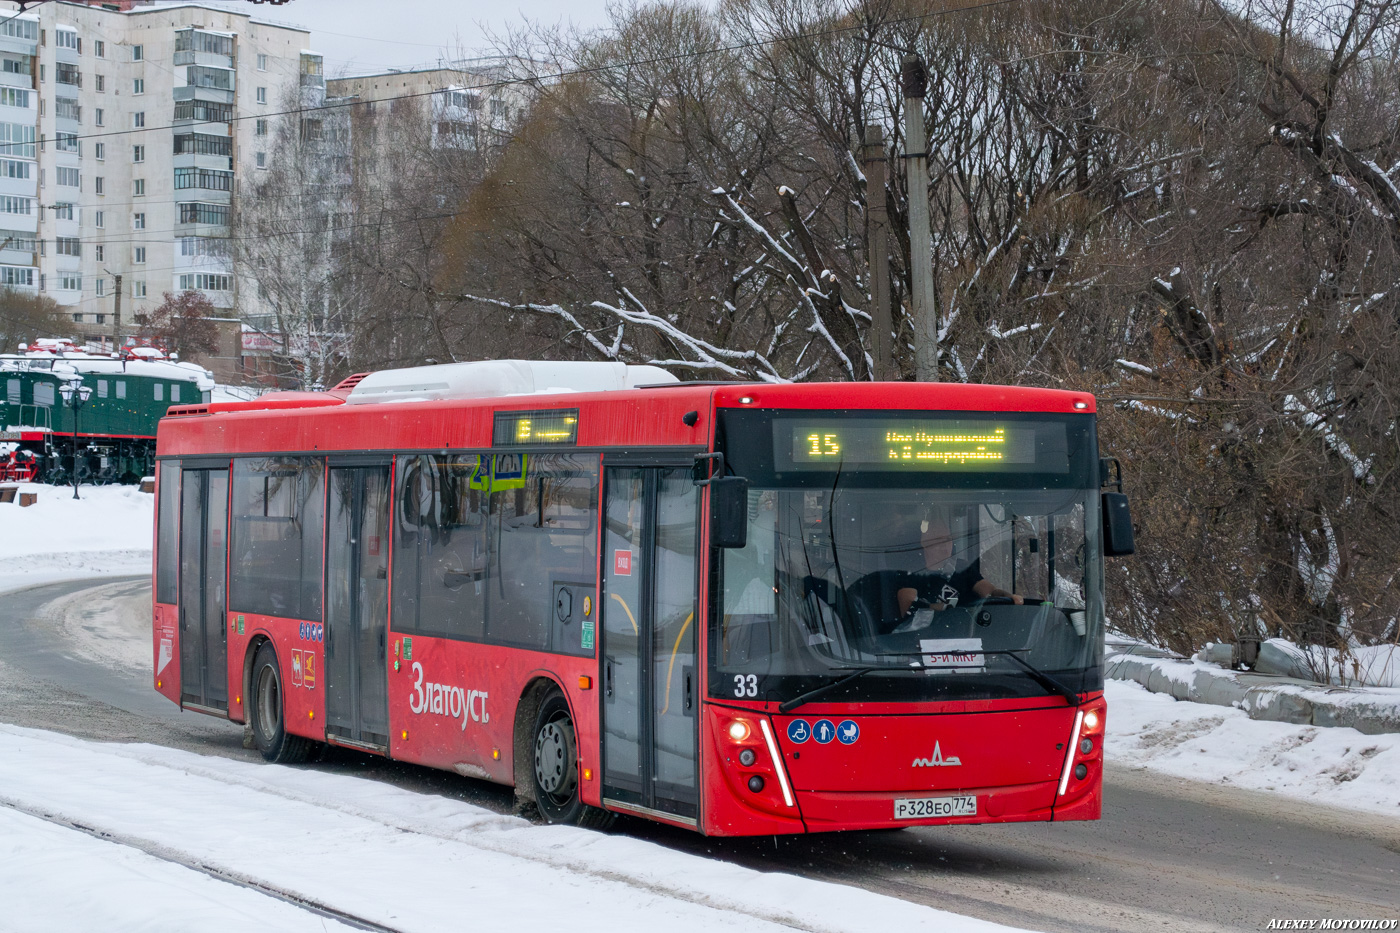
[114,430]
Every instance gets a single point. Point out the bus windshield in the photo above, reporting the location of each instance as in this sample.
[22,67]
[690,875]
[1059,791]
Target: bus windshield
[942,581]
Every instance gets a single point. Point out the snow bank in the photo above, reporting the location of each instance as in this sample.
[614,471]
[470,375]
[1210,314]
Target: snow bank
[1221,745]
[106,531]
[383,854]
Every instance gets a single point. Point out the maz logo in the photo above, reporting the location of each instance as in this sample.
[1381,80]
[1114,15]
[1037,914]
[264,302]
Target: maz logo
[937,760]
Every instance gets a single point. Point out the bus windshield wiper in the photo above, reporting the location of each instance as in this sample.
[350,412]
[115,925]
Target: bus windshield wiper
[1036,674]
[788,706]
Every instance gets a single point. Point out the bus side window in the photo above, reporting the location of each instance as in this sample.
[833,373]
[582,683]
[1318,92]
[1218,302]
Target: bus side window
[168,515]
[542,533]
[277,534]
[440,545]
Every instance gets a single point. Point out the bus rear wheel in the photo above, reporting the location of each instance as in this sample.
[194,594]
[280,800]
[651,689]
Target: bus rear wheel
[555,768]
[265,712]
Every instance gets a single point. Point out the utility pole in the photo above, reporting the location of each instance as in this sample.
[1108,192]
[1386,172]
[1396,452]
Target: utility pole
[914,78]
[117,313]
[878,219]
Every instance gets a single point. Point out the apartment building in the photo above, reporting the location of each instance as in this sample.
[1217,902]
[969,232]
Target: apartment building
[125,136]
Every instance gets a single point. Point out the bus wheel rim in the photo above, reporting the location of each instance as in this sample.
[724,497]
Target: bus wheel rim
[552,757]
[269,709]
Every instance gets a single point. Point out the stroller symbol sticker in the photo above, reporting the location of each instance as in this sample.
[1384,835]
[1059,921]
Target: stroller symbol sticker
[848,732]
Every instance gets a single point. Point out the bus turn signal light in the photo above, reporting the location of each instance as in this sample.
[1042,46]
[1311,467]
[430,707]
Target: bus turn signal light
[585,682]
[739,730]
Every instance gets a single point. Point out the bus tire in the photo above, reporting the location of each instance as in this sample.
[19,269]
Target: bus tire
[554,768]
[265,712]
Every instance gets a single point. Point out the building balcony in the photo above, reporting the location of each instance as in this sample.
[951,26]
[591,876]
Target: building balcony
[207,59]
[216,95]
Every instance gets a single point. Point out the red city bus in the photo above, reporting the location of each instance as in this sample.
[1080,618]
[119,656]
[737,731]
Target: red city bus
[739,608]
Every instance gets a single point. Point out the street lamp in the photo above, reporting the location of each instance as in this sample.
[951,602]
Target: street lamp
[74,394]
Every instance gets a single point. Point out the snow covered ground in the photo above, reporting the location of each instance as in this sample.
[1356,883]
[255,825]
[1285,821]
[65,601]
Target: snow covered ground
[1221,745]
[411,861]
[106,532]
[384,855]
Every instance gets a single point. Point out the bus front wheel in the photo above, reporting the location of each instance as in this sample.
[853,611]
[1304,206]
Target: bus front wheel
[555,768]
[265,711]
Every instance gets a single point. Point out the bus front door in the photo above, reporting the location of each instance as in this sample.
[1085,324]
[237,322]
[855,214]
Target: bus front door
[650,680]
[203,560]
[357,606]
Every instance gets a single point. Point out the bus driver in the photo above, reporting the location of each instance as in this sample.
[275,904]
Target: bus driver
[940,583]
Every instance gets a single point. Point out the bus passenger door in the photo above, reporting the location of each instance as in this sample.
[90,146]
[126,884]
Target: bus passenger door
[203,561]
[357,606]
[650,680]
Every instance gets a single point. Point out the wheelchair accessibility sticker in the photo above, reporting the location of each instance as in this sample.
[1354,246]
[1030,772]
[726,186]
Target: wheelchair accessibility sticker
[799,731]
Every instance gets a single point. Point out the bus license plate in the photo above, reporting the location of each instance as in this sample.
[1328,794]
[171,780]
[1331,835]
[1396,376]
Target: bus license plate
[924,808]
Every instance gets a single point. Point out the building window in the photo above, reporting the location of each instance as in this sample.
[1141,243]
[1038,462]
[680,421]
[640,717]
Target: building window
[99,185]
[159,391]
[138,120]
[99,48]
[203,144]
[65,39]
[13,205]
[138,86]
[200,76]
[100,83]
[99,118]
[100,288]
[17,139]
[67,246]
[138,153]
[196,212]
[101,150]
[67,109]
[101,318]
[262,62]
[138,53]
[67,73]
[100,252]
[261,127]
[18,240]
[138,255]
[138,187]
[212,179]
[14,168]
[70,282]
[99,219]
[204,111]
[138,221]
[262,95]
[262,160]
[203,246]
[138,289]
[121,389]
[67,142]
[77,319]
[63,210]
[14,97]
[69,177]
[20,28]
[16,275]
[206,281]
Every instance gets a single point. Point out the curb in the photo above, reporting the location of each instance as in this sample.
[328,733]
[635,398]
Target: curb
[1267,697]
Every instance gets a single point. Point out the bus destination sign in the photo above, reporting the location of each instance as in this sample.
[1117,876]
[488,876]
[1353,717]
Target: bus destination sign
[908,444]
[535,428]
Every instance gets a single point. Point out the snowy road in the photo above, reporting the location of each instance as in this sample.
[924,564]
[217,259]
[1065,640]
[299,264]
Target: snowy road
[1168,854]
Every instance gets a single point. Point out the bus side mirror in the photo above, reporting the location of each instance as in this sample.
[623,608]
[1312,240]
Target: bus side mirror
[1117,525]
[729,511]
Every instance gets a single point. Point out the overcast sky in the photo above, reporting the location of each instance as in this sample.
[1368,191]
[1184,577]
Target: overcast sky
[359,36]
